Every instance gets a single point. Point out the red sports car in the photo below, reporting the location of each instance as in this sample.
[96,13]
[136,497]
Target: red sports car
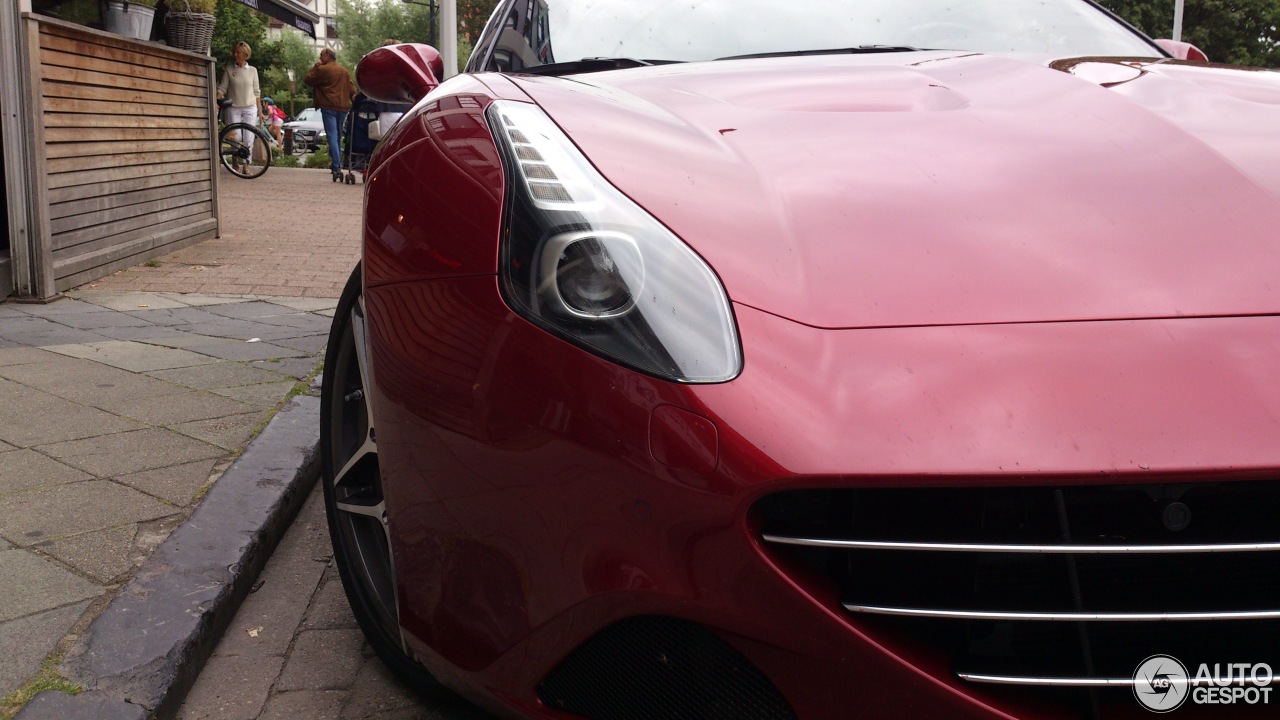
[747,360]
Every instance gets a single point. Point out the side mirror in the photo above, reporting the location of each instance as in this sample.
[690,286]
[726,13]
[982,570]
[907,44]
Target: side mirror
[1183,51]
[400,73]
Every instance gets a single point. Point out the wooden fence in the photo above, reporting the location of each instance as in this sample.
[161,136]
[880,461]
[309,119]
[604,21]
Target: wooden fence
[125,138]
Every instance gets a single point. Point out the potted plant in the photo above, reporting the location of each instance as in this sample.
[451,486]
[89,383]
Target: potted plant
[190,24]
[131,18]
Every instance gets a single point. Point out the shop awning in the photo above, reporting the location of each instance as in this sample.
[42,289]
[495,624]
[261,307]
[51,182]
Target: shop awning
[288,12]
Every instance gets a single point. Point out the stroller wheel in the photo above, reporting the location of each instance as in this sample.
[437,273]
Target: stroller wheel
[351,179]
[337,176]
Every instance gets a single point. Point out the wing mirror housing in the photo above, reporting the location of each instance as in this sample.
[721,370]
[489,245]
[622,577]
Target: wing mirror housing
[400,73]
[1183,51]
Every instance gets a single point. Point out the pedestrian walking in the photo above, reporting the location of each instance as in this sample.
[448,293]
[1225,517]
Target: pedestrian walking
[333,90]
[239,83]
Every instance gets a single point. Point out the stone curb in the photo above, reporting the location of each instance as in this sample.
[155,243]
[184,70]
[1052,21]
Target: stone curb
[142,654]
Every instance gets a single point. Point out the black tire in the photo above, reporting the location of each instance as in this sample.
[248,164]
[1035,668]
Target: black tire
[234,152]
[353,498]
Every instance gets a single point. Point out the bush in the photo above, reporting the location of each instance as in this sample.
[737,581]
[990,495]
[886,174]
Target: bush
[284,160]
[319,159]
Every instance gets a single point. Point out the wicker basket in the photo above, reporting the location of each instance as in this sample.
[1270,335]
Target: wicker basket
[189,30]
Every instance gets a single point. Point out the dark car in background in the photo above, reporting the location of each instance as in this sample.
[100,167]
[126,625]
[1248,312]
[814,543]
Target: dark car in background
[733,360]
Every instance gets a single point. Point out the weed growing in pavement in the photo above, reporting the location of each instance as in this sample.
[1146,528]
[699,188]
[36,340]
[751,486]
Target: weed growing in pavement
[152,263]
[47,679]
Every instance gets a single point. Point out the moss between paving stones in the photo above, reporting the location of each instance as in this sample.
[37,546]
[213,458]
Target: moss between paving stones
[47,679]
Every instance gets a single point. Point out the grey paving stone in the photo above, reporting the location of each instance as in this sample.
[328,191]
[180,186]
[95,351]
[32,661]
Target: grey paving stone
[252,310]
[267,395]
[199,300]
[31,584]
[322,660]
[25,642]
[29,416]
[5,447]
[130,301]
[219,375]
[294,367]
[241,351]
[103,555]
[99,319]
[9,344]
[239,329]
[326,313]
[58,308]
[132,356]
[131,452]
[310,704]
[92,705]
[377,693]
[171,316]
[31,517]
[162,335]
[301,321]
[40,332]
[306,304]
[27,469]
[330,609]
[22,356]
[232,687]
[231,432]
[310,344]
[269,618]
[177,484]
[95,384]
[181,407]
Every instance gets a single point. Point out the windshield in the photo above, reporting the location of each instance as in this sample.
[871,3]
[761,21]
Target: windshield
[539,32]
[308,115]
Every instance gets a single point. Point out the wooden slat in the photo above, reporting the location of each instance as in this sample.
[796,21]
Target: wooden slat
[192,76]
[106,230]
[75,269]
[118,198]
[62,135]
[69,200]
[94,48]
[112,174]
[150,208]
[120,95]
[101,79]
[123,147]
[76,164]
[84,120]
[67,105]
[144,50]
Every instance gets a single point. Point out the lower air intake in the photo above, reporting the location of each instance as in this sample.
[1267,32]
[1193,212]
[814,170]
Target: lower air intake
[659,668]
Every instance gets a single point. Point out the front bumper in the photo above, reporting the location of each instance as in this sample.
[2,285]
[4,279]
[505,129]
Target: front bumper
[533,508]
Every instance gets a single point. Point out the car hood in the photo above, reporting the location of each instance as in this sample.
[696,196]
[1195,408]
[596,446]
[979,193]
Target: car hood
[934,189]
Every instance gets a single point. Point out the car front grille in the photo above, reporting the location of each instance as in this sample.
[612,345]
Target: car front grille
[1061,587]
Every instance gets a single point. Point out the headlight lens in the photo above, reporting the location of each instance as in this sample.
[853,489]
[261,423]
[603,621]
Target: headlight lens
[583,261]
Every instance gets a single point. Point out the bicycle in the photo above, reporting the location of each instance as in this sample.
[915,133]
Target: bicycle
[235,150]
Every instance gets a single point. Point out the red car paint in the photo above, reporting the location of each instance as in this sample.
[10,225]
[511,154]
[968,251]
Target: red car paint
[943,269]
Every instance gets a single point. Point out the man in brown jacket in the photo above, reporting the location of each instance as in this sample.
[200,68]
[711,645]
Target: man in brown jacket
[333,90]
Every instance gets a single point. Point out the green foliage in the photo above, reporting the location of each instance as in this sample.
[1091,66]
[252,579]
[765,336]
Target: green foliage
[207,7]
[1240,32]
[144,3]
[236,22]
[365,25]
[290,52]
[289,161]
[319,159]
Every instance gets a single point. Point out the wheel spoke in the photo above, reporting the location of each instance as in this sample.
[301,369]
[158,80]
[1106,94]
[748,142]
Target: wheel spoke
[359,335]
[366,449]
[369,507]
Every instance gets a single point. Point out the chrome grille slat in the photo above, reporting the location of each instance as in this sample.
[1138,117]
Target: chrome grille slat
[1063,616]
[1021,549]
[1096,682]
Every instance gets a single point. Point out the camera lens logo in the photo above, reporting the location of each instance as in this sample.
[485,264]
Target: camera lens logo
[1161,684]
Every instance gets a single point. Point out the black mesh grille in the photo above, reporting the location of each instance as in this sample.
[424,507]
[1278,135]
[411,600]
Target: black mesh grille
[1223,513]
[659,668]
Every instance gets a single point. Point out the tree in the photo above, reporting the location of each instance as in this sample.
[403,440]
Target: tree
[366,25]
[236,22]
[292,51]
[472,15]
[1241,32]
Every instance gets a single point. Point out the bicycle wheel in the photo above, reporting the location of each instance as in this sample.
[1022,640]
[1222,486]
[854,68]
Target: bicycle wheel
[235,151]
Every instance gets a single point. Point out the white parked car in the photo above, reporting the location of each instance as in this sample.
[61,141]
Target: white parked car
[308,130]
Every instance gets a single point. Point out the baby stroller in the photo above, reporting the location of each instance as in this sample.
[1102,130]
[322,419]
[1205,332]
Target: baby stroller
[362,132]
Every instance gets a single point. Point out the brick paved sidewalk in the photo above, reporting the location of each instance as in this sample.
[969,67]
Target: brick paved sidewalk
[289,233]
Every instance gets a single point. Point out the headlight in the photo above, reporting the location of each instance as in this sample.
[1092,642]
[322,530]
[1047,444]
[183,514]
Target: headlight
[583,261]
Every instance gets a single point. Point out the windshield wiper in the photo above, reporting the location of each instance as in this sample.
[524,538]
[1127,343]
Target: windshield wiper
[592,64]
[859,50]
